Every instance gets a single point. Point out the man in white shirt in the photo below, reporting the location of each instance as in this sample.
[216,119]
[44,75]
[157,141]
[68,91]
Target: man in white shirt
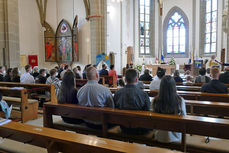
[155,84]
[27,77]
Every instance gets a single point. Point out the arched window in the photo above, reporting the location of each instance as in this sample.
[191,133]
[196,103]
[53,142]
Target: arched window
[146,27]
[209,17]
[176,33]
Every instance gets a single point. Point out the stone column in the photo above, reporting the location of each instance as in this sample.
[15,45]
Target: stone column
[9,33]
[98,27]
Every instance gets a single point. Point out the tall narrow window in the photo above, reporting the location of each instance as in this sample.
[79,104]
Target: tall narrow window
[176,33]
[210,26]
[144,19]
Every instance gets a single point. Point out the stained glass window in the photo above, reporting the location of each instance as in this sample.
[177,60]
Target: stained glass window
[210,26]
[144,19]
[176,35]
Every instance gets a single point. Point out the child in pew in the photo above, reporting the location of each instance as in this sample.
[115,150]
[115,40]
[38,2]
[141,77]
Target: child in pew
[168,102]
[5,108]
[68,94]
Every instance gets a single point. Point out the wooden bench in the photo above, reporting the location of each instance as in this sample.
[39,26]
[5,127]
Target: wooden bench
[59,141]
[188,95]
[204,126]
[199,96]
[80,82]
[28,107]
[194,84]
[34,90]
[207,108]
[106,78]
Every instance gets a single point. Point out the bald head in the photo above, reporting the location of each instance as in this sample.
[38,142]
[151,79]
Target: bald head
[91,73]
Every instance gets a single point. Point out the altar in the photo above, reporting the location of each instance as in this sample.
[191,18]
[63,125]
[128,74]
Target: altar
[169,68]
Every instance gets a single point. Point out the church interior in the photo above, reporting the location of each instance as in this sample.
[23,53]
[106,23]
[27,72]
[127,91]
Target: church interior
[114,76]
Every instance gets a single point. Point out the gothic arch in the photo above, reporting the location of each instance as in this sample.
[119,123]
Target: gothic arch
[165,28]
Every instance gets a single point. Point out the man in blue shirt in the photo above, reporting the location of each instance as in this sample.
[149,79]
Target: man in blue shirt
[104,70]
[93,94]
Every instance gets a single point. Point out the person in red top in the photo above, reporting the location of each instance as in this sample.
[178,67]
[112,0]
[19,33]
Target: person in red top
[112,72]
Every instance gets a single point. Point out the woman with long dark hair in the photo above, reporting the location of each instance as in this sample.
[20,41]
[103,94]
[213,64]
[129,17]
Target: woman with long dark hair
[68,94]
[15,75]
[168,102]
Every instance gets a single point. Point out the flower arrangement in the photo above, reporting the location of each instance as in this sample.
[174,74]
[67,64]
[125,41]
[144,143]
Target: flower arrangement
[172,61]
[138,68]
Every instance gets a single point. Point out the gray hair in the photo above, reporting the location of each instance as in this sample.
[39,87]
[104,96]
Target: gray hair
[91,73]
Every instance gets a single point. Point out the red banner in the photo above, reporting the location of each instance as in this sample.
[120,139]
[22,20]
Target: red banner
[33,60]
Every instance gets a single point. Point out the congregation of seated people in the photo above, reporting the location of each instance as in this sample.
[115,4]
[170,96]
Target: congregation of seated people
[130,95]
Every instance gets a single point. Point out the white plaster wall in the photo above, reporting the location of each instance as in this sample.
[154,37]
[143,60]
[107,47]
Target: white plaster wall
[114,32]
[32,34]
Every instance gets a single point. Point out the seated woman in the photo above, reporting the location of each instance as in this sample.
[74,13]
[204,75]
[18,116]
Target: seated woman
[68,94]
[15,75]
[112,73]
[8,75]
[177,77]
[202,78]
[168,102]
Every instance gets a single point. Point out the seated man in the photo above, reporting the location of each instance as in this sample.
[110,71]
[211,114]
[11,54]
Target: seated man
[155,84]
[214,86]
[27,77]
[104,70]
[224,78]
[132,98]
[41,78]
[146,76]
[94,95]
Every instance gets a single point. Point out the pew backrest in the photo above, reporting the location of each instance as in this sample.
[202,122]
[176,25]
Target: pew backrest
[68,142]
[204,126]
[33,87]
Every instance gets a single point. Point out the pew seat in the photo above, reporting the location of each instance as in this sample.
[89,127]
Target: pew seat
[67,142]
[203,126]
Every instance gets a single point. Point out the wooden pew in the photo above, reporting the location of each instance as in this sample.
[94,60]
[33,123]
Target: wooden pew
[189,88]
[207,108]
[80,82]
[188,95]
[107,78]
[199,96]
[34,88]
[194,84]
[204,126]
[59,141]
[28,107]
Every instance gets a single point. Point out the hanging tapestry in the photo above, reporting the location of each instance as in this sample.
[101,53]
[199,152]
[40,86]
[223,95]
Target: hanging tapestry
[64,42]
[50,54]
[75,40]
[102,59]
